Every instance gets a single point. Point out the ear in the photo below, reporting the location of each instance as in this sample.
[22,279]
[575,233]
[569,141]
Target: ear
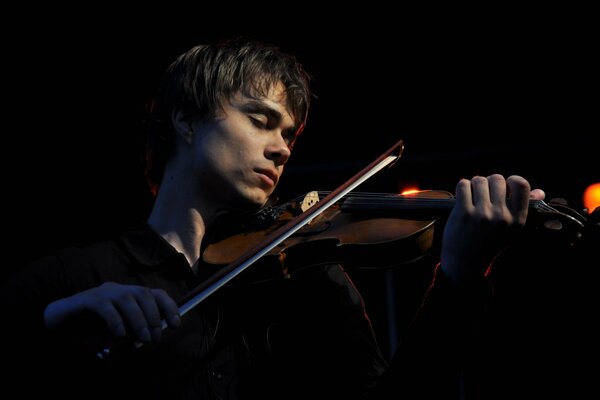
[182,123]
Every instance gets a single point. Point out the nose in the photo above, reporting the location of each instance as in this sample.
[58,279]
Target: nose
[278,150]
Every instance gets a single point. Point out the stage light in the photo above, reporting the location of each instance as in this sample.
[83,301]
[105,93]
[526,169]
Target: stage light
[591,197]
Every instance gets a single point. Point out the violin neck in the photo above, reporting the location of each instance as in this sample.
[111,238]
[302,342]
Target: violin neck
[413,205]
[398,205]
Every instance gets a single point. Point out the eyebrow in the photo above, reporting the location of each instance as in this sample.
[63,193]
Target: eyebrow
[255,105]
[271,113]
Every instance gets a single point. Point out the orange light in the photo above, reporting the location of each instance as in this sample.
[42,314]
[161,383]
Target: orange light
[591,197]
[410,191]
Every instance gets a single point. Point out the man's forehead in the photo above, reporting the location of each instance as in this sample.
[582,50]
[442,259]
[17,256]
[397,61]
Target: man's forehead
[273,93]
[275,99]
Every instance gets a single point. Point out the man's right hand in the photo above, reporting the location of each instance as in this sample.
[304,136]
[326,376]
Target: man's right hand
[124,308]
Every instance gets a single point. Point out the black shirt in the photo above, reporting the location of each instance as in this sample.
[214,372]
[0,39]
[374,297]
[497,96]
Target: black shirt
[277,338]
[304,337]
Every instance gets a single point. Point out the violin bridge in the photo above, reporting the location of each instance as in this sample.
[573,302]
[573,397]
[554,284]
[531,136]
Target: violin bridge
[310,199]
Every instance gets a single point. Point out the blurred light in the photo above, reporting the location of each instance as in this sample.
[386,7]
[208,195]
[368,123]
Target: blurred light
[591,197]
[410,191]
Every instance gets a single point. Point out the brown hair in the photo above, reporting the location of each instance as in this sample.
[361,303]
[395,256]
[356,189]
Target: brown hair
[202,79]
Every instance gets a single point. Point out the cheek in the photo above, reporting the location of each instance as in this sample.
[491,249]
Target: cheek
[225,149]
[217,162]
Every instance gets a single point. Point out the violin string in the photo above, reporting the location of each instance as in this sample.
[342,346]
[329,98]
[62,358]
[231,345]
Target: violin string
[395,200]
[422,200]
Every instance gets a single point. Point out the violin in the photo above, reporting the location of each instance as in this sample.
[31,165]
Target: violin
[366,230]
[361,230]
[355,229]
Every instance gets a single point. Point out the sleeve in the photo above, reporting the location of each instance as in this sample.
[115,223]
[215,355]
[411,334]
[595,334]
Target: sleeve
[24,297]
[359,355]
[29,348]
[32,352]
[432,356]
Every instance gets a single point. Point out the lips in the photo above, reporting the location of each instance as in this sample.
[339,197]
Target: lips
[269,173]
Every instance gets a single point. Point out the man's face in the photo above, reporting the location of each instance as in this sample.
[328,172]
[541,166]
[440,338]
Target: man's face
[239,157]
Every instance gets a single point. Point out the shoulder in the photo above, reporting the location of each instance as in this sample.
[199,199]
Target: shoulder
[109,259]
[72,266]
[139,246]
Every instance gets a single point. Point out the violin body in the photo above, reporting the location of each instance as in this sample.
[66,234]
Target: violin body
[347,233]
[365,231]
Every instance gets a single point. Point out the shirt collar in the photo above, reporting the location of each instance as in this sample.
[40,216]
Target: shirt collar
[147,247]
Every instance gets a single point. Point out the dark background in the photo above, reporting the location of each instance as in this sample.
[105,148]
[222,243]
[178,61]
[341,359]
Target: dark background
[467,96]
[501,91]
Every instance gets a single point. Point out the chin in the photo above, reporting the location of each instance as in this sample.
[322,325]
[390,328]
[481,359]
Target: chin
[253,201]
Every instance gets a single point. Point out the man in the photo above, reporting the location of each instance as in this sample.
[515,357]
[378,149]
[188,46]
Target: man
[221,131]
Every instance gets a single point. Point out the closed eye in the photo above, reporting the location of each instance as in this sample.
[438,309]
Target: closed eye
[260,121]
[265,117]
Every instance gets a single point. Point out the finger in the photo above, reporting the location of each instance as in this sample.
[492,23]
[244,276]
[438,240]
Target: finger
[519,190]
[537,194]
[133,315]
[497,188]
[168,307]
[481,191]
[111,316]
[149,306]
[464,200]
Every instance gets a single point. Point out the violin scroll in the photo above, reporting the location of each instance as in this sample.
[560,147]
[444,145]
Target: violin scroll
[556,219]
